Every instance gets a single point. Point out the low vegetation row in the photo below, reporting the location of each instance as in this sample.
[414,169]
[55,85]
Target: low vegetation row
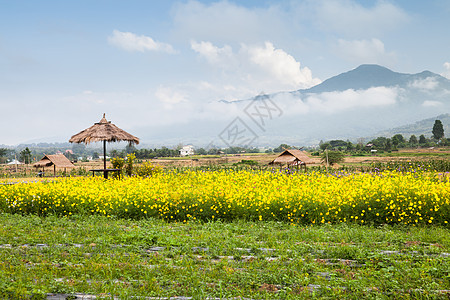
[389,197]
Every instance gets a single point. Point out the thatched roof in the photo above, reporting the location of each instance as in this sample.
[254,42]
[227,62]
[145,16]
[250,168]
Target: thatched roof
[292,156]
[59,160]
[103,131]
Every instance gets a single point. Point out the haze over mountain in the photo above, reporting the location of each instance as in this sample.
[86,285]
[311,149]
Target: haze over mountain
[424,127]
[357,103]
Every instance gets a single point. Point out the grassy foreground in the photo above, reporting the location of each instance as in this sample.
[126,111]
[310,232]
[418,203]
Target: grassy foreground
[94,255]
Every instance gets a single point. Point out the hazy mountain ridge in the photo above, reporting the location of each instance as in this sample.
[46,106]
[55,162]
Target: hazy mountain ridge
[363,102]
[418,128]
[369,100]
[368,76]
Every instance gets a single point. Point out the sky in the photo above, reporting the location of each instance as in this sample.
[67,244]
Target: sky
[150,63]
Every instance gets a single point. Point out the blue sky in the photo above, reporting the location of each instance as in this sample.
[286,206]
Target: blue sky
[151,63]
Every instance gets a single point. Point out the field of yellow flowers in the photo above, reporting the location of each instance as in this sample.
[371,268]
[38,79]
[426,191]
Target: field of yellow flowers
[301,198]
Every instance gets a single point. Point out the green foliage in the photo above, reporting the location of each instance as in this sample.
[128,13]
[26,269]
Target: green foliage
[413,140]
[281,148]
[338,143]
[79,149]
[79,172]
[129,164]
[147,169]
[422,139]
[433,165]
[247,162]
[398,140]
[333,157]
[3,151]
[438,130]
[25,155]
[117,162]
[201,151]
[324,146]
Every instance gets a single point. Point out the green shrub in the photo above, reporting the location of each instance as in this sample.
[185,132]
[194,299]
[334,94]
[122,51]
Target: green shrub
[248,162]
[117,163]
[147,169]
[334,157]
[130,162]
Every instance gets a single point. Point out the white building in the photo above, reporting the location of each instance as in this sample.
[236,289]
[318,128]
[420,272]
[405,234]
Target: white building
[187,150]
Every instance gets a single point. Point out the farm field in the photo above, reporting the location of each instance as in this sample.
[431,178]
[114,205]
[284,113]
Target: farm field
[80,256]
[220,230]
[262,159]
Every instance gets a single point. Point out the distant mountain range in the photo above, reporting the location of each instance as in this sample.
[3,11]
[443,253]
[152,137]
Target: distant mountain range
[367,76]
[368,101]
[421,127]
[363,102]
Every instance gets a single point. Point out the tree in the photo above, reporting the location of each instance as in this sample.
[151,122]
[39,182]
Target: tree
[438,130]
[422,139]
[333,157]
[413,140]
[281,148]
[201,151]
[3,152]
[337,143]
[324,146]
[388,145]
[130,149]
[379,142]
[25,155]
[398,139]
[78,149]
[349,146]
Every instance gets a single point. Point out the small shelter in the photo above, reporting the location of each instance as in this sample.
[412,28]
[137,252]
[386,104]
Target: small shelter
[15,162]
[103,131]
[55,160]
[292,157]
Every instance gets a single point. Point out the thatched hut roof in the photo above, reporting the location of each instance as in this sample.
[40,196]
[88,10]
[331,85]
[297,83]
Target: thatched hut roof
[103,131]
[58,160]
[292,157]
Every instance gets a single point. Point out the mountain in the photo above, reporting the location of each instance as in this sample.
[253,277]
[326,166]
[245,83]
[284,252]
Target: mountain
[418,128]
[367,76]
[362,102]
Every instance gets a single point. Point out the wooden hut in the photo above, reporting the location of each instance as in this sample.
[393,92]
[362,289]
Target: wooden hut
[292,158]
[103,131]
[56,160]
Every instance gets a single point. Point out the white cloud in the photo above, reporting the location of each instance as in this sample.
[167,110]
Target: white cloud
[430,103]
[169,96]
[347,17]
[446,73]
[261,67]
[429,83]
[336,102]
[212,53]
[364,51]
[226,22]
[132,42]
[281,65]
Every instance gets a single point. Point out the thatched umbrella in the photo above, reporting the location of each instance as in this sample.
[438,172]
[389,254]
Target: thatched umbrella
[103,131]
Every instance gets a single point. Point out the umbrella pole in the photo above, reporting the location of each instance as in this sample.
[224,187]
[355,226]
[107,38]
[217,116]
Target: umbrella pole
[105,173]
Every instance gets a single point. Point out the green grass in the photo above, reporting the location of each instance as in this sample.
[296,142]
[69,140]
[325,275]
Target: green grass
[414,154]
[259,260]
